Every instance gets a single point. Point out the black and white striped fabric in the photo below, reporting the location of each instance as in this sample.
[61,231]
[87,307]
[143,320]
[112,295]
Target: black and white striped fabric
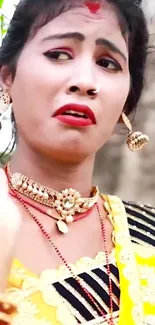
[141,221]
[96,282]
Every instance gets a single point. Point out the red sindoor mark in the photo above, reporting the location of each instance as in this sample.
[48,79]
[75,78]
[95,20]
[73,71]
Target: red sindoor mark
[92,6]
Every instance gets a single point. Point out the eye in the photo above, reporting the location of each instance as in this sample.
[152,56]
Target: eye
[109,64]
[58,55]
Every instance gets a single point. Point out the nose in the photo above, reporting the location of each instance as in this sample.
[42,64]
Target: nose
[83,82]
[82,90]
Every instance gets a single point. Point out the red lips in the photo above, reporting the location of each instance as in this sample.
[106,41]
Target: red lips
[75,115]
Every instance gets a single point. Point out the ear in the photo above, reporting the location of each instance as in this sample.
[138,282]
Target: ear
[6,79]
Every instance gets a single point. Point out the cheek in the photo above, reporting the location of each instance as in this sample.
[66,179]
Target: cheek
[36,76]
[114,96]
[32,88]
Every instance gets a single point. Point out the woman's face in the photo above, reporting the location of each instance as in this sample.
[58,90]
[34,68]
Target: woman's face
[75,52]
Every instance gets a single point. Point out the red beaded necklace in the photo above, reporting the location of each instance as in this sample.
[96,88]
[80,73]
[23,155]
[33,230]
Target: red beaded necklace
[62,258]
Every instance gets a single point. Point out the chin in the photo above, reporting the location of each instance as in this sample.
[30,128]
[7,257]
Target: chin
[69,149]
[71,155]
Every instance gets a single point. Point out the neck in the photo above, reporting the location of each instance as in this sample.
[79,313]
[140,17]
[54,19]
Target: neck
[54,174]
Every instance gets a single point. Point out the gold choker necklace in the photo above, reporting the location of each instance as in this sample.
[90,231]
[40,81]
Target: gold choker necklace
[67,203]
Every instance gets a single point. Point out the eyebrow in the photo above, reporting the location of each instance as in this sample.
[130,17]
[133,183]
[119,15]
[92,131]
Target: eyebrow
[111,46]
[75,35]
[80,37]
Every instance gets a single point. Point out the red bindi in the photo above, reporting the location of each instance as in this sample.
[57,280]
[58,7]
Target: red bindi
[93,5]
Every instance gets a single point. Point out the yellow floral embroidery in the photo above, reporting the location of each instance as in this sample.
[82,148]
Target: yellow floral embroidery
[130,307]
[45,294]
[30,285]
[147,275]
[149,320]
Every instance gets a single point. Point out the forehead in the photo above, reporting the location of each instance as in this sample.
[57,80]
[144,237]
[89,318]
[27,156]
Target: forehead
[103,23]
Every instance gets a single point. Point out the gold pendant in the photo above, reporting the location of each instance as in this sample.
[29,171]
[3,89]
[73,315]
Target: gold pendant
[62,226]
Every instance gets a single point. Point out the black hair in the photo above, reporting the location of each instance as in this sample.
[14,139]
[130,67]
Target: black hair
[32,14]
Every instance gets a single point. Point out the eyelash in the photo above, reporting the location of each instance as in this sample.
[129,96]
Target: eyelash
[54,56]
[115,64]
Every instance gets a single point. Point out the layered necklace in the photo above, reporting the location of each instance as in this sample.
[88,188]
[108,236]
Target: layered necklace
[69,205]
[16,190]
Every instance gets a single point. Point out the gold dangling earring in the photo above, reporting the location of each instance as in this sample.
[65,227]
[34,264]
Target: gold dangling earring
[4,101]
[135,140]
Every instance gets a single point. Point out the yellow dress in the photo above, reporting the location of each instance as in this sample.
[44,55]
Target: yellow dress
[53,298]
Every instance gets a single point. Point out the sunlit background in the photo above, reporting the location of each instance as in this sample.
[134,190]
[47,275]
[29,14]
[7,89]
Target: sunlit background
[118,171]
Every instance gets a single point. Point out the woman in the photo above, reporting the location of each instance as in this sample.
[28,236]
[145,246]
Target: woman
[72,71]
